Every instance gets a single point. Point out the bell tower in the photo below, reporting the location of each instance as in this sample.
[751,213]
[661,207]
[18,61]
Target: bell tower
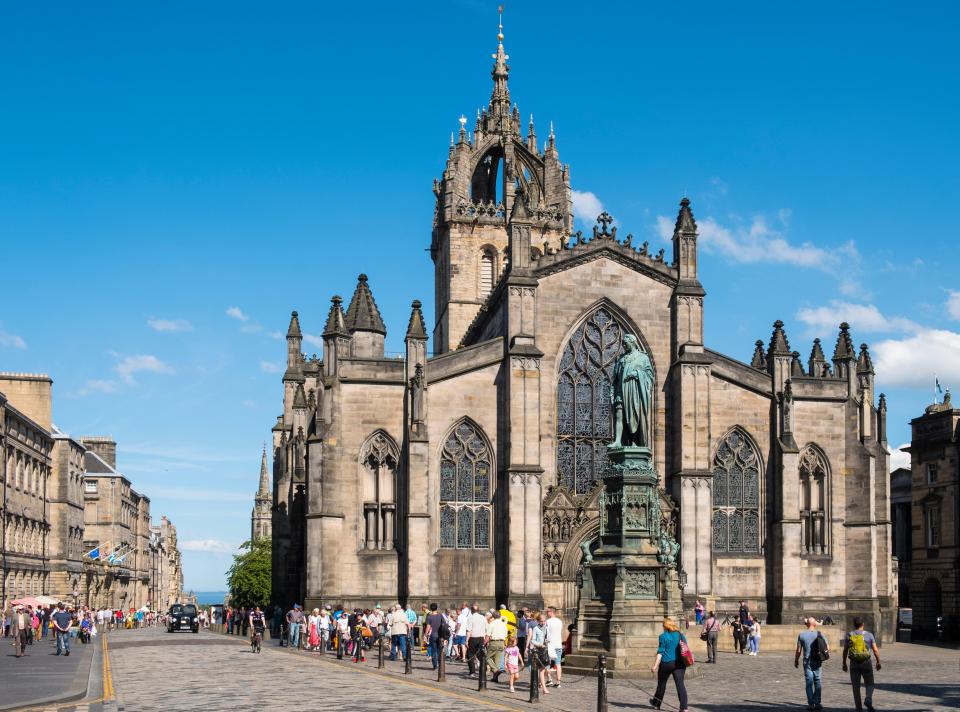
[486,171]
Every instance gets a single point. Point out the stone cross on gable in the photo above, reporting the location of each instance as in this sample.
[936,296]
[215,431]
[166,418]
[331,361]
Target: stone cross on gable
[605,219]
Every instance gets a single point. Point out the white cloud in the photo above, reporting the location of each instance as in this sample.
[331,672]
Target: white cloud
[953,305]
[169,324]
[861,317]
[130,365]
[270,367]
[211,545]
[277,335]
[98,385]
[313,340]
[251,328]
[899,459]
[913,360]
[237,313]
[586,206]
[11,340]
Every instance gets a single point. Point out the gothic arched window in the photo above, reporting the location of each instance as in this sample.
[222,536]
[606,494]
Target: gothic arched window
[736,496]
[466,467]
[814,525]
[487,263]
[378,461]
[584,424]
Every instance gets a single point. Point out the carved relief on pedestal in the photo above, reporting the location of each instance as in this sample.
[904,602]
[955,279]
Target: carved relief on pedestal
[566,518]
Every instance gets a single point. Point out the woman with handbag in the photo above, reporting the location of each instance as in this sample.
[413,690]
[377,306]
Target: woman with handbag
[539,655]
[673,658]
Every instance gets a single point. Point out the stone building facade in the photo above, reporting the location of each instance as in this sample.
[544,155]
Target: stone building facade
[935,492]
[65,501]
[167,570]
[476,472]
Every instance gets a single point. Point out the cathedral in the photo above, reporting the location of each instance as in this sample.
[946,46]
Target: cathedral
[476,472]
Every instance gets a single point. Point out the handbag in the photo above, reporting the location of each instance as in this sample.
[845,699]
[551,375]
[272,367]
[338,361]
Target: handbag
[684,653]
[703,635]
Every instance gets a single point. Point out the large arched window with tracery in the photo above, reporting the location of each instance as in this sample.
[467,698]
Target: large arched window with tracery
[814,524]
[736,496]
[584,423]
[466,467]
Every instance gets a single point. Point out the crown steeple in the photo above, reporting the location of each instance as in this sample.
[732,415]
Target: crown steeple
[500,99]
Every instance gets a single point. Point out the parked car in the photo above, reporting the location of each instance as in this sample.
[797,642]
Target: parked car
[183,617]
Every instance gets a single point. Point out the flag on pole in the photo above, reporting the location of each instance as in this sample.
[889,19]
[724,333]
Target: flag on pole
[939,389]
[114,558]
[94,553]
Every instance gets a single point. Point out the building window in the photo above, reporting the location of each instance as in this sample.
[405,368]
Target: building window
[378,459]
[487,262]
[931,473]
[814,524]
[90,486]
[584,424]
[736,496]
[466,467]
[931,525]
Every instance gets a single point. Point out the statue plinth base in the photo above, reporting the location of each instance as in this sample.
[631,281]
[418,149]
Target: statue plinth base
[631,583]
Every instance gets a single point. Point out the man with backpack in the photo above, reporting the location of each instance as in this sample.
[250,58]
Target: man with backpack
[813,647]
[858,644]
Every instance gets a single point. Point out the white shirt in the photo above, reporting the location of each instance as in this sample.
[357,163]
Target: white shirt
[554,633]
[477,627]
[462,620]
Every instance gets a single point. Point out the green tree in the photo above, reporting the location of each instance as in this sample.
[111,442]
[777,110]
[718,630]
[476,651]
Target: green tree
[250,576]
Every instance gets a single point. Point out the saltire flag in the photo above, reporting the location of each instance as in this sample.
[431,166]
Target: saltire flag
[114,558]
[939,389]
[94,553]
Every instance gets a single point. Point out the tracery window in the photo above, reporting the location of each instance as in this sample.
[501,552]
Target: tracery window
[736,496]
[584,424]
[814,525]
[466,466]
[379,456]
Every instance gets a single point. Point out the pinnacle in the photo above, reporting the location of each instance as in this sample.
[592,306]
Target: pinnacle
[363,314]
[416,329]
[299,397]
[264,477]
[336,324]
[293,331]
[864,363]
[778,341]
[685,222]
[759,359]
[844,348]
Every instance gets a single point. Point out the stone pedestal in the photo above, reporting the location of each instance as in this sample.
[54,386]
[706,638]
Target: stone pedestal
[630,582]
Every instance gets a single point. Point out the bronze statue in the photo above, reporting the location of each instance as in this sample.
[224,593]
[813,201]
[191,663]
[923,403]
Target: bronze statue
[631,392]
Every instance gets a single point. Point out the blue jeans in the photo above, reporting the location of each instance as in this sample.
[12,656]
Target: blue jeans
[63,642]
[398,643]
[754,645]
[812,676]
[434,651]
[294,635]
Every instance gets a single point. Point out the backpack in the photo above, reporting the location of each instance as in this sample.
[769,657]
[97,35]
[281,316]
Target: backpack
[857,648]
[819,650]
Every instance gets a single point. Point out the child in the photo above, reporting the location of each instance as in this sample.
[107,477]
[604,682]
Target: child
[512,661]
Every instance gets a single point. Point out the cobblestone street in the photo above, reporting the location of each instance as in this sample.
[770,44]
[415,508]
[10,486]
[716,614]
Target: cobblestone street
[216,672]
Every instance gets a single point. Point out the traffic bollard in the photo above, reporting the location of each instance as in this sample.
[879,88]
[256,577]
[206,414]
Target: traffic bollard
[323,643]
[339,646]
[380,652]
[407,657]
[534,677]
[601,683]
[441,663]
[482,683]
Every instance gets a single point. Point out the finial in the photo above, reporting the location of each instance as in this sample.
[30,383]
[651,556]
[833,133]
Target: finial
[463,121]
[500,30]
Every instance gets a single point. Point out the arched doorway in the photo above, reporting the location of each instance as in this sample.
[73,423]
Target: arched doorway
[928,607]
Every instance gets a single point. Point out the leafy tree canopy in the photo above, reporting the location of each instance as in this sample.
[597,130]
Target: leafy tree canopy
[250,576]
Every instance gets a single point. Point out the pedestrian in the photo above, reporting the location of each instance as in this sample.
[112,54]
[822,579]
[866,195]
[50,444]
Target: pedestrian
[496,640]
[538,654]
[62,623]
[399,630]
[739,636]
[698,611]
[857,646]
[555,643]
[710,633]
[512,661]
[476,632]
[19,623]
[754,640]
[812,646]
[523,631]
[667,664]
[313,625]
[743,612]
[343,634]
[460,637]
[294,619]
[434,622]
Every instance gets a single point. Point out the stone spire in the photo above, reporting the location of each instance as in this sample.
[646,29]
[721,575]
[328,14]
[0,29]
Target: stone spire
[416,329]
[500,99]
[796,368]
[864,363]
[336,322]
[264,490]
[685,223]
[363,314]
[844,348]
[759,359]
[817,364]
[779,346]
[293,331]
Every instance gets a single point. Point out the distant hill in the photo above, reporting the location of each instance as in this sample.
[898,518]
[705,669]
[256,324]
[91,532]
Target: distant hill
[208,598]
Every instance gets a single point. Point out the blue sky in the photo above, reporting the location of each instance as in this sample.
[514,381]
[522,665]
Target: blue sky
[177,178]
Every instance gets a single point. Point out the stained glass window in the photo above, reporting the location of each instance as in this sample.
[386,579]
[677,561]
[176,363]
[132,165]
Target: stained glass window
[736,496]
[465,472]
[583,400]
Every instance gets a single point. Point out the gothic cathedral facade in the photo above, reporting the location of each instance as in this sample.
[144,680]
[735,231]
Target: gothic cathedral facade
[475,472]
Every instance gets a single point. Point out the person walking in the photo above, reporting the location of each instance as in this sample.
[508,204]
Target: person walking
[739,636]
[538,650]
[19,623]
[754,640]
[812,646]
[496,641]
[698,611]
[399,629]
[476,632]
[294,619]
[434,622]
[555,643]
[512,661]
[857,646]
[711,633]
[62,622]
[667,664]
[743,612]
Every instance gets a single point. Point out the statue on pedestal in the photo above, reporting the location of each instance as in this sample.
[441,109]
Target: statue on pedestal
[631,390]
